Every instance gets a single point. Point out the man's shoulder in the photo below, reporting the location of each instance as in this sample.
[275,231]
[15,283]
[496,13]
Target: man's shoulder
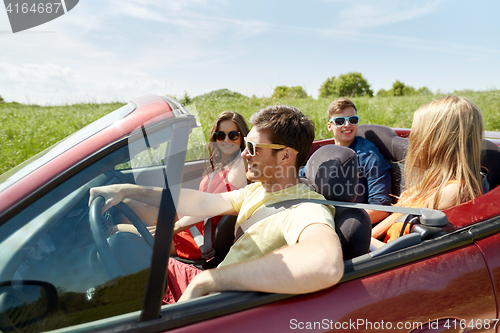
[253,187]
[302,191]
[367,152]
[313,206]
[251,190]
[304,194]
[365,145]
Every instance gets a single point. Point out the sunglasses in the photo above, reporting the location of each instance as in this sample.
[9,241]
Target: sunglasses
[221,136]
[339,121]
[250,146]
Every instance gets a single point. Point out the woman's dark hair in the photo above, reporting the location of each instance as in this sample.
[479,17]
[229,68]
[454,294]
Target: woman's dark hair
[216,161]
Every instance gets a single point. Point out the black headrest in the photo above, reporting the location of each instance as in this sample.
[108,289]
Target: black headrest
[333,171]
[490,157]
[390,145]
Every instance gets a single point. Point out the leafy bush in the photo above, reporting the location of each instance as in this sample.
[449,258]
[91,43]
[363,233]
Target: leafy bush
[424,91]
[346,85]
[289,92]
[1,99]
[327,88]
[186,99]
[382,93]
[280,91]
[400,89]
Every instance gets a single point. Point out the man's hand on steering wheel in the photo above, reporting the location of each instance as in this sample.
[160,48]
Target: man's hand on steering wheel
[112,195]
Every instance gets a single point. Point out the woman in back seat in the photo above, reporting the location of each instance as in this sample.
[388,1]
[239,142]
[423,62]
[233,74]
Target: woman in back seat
[227,172]
[442,166]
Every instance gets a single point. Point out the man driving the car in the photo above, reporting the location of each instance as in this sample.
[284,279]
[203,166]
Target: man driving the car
[295,250]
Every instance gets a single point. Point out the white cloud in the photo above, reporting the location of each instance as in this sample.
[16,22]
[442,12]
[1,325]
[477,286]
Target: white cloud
[35,72]
[31,83]
[53,84]
[374,13]
[120,49]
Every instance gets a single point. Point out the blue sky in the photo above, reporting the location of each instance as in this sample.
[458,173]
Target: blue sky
[117,50]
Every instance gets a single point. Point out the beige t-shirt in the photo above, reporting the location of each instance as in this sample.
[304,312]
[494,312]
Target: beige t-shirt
[278,230]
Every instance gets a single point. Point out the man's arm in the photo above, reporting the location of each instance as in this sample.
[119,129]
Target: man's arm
[114,194]
[313,263]
[191,202]
[187,222]
[203,204]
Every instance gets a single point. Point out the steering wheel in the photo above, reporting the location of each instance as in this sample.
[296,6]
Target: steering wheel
[103,248]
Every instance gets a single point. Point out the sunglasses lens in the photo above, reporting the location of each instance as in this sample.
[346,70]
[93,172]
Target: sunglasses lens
[250,148]
[233,135]
[354,120]
[220,136]
[339,121]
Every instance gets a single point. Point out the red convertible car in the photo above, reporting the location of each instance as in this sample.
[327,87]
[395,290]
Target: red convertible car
[64,267]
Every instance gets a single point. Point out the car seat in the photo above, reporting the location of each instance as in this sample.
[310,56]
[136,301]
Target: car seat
[222,241]
[490,157]
[332,171]
[393,148]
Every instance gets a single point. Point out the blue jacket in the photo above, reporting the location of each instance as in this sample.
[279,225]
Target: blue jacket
[374,176]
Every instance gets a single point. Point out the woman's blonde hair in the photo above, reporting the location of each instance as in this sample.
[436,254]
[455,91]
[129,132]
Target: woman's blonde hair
[445,145]
[216,161]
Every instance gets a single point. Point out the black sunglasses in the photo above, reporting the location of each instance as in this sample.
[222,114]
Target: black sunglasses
[221,136]
[339,121]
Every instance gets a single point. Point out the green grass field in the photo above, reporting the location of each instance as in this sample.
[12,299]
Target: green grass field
[25,130]
[388,111]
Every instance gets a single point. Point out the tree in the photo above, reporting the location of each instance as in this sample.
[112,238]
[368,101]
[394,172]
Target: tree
[289,92]
[397,89]
[346,85]
[424,91]
[326,88]
[1,99]
[297,92]
[280,91]
[218,94]
[186,99]
[401,89]
[382,93]
[352,84]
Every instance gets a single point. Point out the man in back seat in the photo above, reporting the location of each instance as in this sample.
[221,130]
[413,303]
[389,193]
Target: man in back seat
[374,177]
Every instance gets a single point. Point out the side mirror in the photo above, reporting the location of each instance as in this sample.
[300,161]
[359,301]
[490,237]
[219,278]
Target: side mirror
[24,303]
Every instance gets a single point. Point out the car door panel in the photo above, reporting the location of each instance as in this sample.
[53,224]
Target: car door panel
[490,247]
[452,285]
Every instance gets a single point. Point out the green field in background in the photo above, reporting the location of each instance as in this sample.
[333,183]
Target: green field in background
[26,130]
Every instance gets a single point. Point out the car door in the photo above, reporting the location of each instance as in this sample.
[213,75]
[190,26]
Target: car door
[52,243]
[412,290]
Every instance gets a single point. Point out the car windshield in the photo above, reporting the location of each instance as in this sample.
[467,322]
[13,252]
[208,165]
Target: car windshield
[55,239]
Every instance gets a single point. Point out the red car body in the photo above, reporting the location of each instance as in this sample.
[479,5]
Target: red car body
[447,283]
